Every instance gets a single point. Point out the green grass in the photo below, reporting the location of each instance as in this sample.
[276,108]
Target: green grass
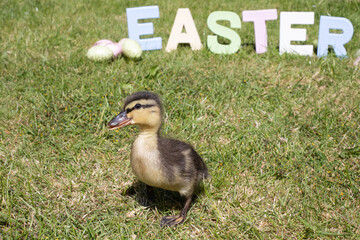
[280,134]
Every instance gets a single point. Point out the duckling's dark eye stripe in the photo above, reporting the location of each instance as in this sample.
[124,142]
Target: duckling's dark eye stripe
[138,107]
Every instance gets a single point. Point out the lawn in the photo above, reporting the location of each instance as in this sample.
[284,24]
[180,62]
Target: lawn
[279,133]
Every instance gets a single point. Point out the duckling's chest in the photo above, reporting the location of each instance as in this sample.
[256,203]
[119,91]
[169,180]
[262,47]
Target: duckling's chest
[146,161]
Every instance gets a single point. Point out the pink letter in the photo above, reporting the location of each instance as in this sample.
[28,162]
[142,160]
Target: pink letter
[259,17]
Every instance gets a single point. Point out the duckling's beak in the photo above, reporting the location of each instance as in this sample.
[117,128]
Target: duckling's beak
[119,121]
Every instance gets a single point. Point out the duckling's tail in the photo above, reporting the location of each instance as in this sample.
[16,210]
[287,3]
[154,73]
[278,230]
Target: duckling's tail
[203,173]
[201,168]
[206,174]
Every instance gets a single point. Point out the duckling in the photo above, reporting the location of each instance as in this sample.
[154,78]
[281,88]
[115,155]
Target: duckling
[157,161]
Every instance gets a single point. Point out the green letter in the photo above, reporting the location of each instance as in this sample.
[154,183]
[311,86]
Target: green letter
[225,32]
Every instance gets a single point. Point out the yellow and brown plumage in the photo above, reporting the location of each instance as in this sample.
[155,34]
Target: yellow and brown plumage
[160,162]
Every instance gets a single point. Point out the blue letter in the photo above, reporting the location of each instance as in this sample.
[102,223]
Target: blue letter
[337,40]
[136,29]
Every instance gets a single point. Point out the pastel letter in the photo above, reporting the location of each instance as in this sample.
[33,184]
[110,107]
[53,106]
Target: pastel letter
[336,40]
[137,29]
[182,20]
[288,34]
[225,32]
[259,18]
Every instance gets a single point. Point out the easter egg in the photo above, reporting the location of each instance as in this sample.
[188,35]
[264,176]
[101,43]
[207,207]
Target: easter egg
[100,53]
[121,42]
[131,48]
[115,47]
[103,42]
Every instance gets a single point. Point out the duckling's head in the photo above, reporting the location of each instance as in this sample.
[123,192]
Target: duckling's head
[143,109]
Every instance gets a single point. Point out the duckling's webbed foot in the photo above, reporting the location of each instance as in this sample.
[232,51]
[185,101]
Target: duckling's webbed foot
[172,220]
[176,219]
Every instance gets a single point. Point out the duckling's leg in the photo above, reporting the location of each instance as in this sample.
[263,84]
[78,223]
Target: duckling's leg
[177,219]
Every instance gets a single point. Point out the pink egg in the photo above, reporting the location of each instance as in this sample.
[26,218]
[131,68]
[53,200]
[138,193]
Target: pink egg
[103,42]
[115,48]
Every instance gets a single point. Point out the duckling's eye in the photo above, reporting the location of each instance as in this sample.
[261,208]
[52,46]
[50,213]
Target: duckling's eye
[137,106]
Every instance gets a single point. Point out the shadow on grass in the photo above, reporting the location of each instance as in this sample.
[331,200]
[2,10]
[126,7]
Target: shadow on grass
[157,198]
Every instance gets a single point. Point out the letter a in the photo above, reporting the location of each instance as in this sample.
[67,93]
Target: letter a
[183,19]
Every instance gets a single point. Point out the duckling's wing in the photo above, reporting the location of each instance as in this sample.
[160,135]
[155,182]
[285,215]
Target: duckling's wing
[180,157]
